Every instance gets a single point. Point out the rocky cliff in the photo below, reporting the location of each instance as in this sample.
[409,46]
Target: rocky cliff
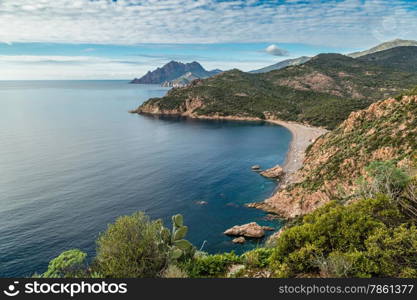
[387,130]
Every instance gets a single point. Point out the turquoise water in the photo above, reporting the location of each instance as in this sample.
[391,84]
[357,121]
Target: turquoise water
[72,160]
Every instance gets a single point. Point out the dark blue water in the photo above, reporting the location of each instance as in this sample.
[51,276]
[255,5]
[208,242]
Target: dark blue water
[72,160]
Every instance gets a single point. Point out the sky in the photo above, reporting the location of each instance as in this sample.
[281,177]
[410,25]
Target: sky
[122,39]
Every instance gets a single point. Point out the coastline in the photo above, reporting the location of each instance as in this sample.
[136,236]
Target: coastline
[302,137]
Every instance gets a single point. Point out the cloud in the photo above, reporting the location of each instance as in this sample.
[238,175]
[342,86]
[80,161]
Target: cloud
[276,51]
[327,22]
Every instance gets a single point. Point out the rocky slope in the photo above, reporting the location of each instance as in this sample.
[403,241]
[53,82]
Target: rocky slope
[384,46]
[387,130]
[283,64]
[175,74]
[320,92]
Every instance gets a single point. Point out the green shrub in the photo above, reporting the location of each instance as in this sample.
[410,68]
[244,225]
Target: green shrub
[383,177]
[133,246]
[69,263]
[257,258]
[393,248]
[336,265]
[368,238]
[212,265]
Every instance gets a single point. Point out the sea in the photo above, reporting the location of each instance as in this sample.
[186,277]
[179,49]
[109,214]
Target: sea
[72,160]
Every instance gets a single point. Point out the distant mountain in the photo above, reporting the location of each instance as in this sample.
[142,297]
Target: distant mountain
[320,92]
[175,72]
[399,58]
[283,64]
[384,46]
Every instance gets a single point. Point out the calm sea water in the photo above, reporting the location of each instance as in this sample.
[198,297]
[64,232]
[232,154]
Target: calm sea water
[72,160]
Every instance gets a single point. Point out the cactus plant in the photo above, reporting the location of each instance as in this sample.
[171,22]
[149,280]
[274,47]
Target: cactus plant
[180,248]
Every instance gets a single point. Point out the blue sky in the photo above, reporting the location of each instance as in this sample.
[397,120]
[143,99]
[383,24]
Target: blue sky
[106,39]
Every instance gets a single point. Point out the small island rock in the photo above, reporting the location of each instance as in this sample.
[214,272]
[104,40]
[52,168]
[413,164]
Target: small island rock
[274,172]
[251,230]
[239,240]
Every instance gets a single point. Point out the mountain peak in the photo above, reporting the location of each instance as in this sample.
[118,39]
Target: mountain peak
[384,46]
[174,70]
[283,64]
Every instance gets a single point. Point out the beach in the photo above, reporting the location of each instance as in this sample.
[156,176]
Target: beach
[302,137]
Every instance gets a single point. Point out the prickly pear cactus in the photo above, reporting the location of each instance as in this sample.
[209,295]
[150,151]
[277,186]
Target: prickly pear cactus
[179,246]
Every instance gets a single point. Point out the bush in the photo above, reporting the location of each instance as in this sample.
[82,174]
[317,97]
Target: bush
[174,271]
[383,177]
[336,265]
[69,263]
[393,249]
[212,265]
[257,258]
[133,246]
[368,238]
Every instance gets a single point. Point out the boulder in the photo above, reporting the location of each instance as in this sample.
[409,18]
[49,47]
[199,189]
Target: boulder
[275,172]
[239,240]
[250,230]
[268,228]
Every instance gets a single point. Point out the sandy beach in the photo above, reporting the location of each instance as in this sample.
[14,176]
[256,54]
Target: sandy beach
[302,137]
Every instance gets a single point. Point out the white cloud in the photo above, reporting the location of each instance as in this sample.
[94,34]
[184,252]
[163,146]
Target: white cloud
[335,23]
[276,51]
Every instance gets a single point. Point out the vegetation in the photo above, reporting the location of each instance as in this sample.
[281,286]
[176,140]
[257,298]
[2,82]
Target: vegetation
[133,246]
[69,263]
[385,131]
[393,58]
[370,237]
[321,92]
[211,265]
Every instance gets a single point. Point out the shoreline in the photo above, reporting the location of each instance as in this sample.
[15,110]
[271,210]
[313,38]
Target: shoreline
[302,137]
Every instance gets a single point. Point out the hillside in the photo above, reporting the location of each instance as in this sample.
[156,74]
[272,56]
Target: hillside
[399,58]
[387,130]
[320,92]
[283,64]
[181,81]
[174,70]
[384,46]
